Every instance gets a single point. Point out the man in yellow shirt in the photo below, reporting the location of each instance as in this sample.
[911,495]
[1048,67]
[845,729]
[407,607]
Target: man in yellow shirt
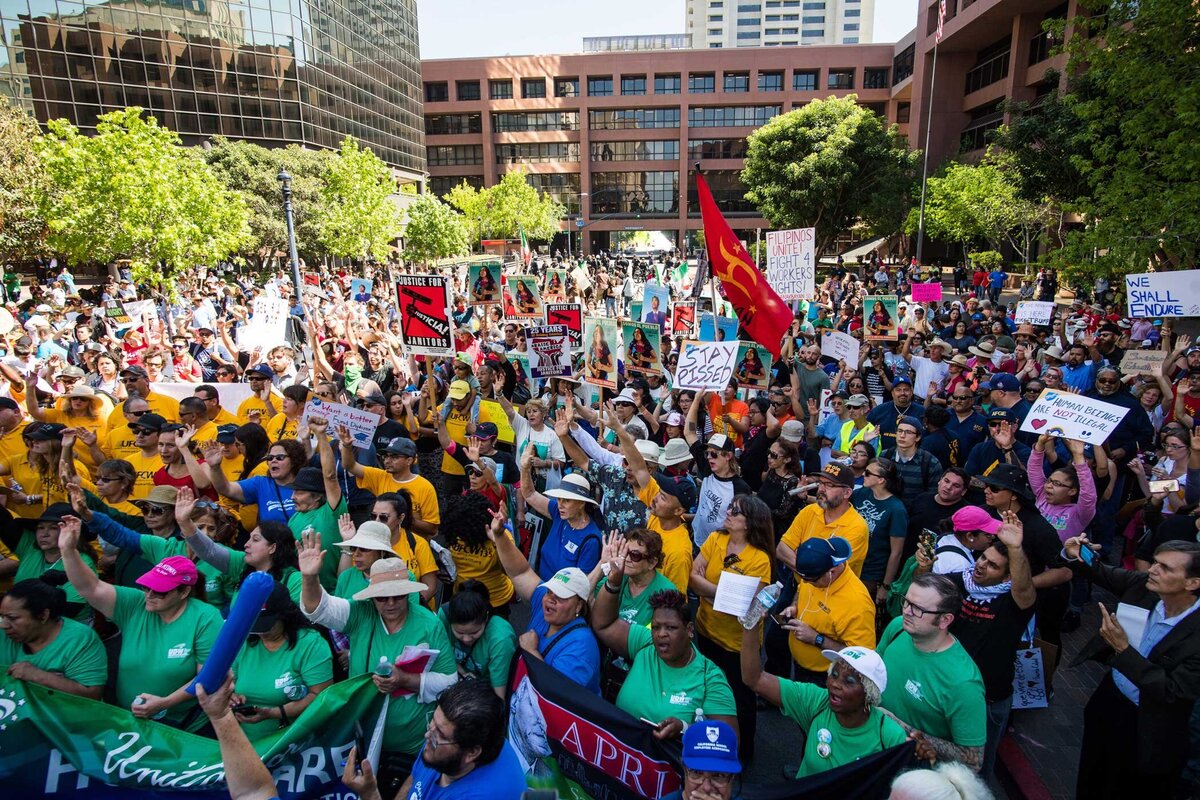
[145,459]
[137,381]
[254,408]
[212,406]
[11,425]
[832,515]
[833,608]
[193,414]
[119,441]
[398,458]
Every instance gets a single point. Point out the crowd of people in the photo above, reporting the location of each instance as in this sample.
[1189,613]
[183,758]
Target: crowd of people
[914,534]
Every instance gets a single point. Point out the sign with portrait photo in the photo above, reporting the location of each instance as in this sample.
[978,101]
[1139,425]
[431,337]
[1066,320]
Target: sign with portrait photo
[483,283]
[523,299]
[600,351]
[881,318]
[752,366]
[642,348]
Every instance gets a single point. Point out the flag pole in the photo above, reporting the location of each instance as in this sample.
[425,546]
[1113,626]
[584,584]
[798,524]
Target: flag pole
[928,129]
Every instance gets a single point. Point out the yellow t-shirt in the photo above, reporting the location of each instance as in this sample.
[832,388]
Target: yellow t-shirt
[145,467]
[94,424]
[119,443]
[223,417]
[206,435]
[420,563]
[484,567]
[844,611]
[456,426]
[255,403]
[280,427]
[165,407]
[850,526]
[424,496]
[12,446]
[724,629]
[676,563]
[50,486]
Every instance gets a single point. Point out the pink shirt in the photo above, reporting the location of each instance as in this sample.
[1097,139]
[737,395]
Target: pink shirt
[1070,519]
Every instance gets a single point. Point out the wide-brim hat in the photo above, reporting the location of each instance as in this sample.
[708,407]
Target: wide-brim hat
[389,578]
[675,451]
[573,487]
[983,350]
[371,535]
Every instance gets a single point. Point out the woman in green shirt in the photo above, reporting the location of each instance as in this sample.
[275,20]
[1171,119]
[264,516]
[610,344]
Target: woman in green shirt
[483,643]
[35,544]
[43,647]
[317,495]
[643,557]
[284,665]
[843,721]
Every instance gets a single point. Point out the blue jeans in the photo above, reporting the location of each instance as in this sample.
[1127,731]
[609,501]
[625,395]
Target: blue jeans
[997,722]
[610,306]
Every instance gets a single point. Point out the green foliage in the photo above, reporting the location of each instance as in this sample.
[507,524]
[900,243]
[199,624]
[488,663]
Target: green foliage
[132,191]
[434,231]
[501,211]
[987,259]
[22,181]
[357,218]
[830,165]
[1043,143]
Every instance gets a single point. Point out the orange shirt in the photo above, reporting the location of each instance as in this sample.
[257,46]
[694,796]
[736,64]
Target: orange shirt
[735,408]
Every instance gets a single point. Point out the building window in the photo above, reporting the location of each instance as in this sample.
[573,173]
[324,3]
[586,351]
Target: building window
[600,86]
[731,116]
[635,193]
[771,32]
[566,87]
[654,150]
[705,149]
[533,88]
[666,84]
[620,119]
[714,31]
[633,84]
[518,121]
[804,81]
[749,22]
[903,112]
[875,78]
[500,90]
[537,153]
[702,83]
[727,189]
[562,186]
[467,90]
[737,81]
[749,35]
[850,26]
[841,79]
[453,124]
[455,155]
[437,92]
[814,7]
[817,34]
[747,8]
[716,18]
[714,45]
[440,185]
[902,64]
[853,12]
[850,40]
[770,81]
[790,31]
[813,20]
[984,120]
[991,65]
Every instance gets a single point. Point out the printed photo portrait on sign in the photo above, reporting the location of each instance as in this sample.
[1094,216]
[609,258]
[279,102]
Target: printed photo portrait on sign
[425,322]
[549,351]
[524,297]
[753,366]
[556,285]
[360,289]
[881,317]
[600,351]
[642,347]
[483,281]
[725,329]
[656,306]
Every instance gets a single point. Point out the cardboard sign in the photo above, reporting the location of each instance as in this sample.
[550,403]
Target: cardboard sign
[1029,680]
[642,347]
[361,424]
[791,263]
[426,326]
[1163,294]
[1073,416]
[549,351]
[523,299]
[570,315]
[115,313]
[881,317]
[1142,362]
[705,365]
[483,283]
[1035,312]
[753,366]
[683,317]
[841,347]
[927,292]
[360,289]
[581,278]
[600,351]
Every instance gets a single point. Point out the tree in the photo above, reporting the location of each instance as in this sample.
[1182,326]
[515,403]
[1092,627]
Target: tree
[133,191]
[434,231]
[827,166]
[512,205]
[358,217]
[22,180]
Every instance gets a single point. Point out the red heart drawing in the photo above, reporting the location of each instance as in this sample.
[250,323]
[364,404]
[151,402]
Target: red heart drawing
[1037,424]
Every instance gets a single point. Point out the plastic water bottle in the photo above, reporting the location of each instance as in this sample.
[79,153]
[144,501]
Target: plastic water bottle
[763,602]
[384,668]
[699,715]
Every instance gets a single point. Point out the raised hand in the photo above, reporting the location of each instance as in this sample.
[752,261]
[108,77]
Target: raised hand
[182,437]
[496,528]
[310,555]
[346,527]
[317,426]
[68,533]
[185,503]
[212,454]
[343,434]
[79,501]
[1012,531]
[562,423]
[88,437]
[1004,435]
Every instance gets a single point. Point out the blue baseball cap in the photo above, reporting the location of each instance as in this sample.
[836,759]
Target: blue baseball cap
[901,379]
[711,746]
[816,556]
[1003,382]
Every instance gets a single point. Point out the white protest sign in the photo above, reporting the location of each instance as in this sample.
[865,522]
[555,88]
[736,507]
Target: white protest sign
[1163,294]
[267,324]
[1029,680]
[791,262]
[1142,362]
[840,347]
[581,279]
[1073,416]
[1035,312]
[705,365]
[361,424]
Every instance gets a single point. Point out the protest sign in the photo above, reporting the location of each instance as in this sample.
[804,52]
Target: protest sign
[267,323]
[549,351]
[840,347]
[656,306]
[791,263]
[927,292]
[425,321]
[881,317]
[520,362]
[600,351]
[523,298]
[1035,312]
[581,278]
[115,313]
[725,329]
[1073,416]
[1029,680]
[705,365]
[1163,294]
[142,312]
[361,424]
[570,315]
[683,317]
[1142,362]
[642,347]
[753,366]
[360,289]
[556,285]
[493,412]
[635,309]
[483,283]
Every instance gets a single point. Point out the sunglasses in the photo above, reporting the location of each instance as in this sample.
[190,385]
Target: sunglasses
[736,512]
[636,556]
[153,509]
[282,457]
[381,517]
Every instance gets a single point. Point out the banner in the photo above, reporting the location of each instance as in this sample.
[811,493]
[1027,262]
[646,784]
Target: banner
[361,424]
[115,313]
[58,745]
[523,299]
[683,317]
[642,347]
[556,286]
[881,317]
[705,365]
[1163,294]
[791,262]
[483,283]
[656,306]
[549,351]
[753,366]
[231,395]
[425,322]
[841,347]
[600,351]
[1073,416]
[569,315]
[927,292]
[1035,312]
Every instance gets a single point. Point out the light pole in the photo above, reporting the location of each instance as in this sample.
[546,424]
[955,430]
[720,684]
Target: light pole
[285,186]
[570,219]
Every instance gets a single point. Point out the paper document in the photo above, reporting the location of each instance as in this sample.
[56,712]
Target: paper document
[1133,620]
[735,593]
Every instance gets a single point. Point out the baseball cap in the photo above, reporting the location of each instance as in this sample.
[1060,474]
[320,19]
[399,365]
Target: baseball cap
[277,604]
[401,446]
[569,582]
[170,573]
[44,431]
[459,390]
[1004,382]
[816,556]
[899,379]
[486,430]
[261,369]
[711,746]
[681,487]
[675,418]
[720,442]
[974,518]
[914,422]
[373,399]
[864,661]
[9,403]
[150,422]
[1001,415]
[135,370]
[857,400]
[225,433]
[837,473]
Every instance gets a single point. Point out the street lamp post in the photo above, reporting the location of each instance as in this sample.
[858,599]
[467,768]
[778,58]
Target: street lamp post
[570,219]
[285,186]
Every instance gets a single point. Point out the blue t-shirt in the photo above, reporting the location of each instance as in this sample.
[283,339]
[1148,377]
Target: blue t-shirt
[567,547]
[502,778]
[274,501]
[576,653]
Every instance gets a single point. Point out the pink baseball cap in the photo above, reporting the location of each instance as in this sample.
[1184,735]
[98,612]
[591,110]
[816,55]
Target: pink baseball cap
[974,518]
[170,573]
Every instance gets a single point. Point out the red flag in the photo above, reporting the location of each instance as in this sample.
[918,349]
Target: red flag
[760,310]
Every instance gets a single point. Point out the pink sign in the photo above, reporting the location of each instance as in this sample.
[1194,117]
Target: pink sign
[927,292]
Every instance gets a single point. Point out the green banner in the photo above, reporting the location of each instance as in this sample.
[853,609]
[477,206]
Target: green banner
[59,745]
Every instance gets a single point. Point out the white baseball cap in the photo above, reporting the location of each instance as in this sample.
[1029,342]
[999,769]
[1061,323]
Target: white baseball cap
[864,660]
[569,582]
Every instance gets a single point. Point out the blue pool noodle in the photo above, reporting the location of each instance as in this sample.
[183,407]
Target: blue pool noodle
[254,592]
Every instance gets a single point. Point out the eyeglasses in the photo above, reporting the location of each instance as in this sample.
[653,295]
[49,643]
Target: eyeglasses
[905,432]
[958,398]
[223,372]
[636,556]
[381,517]
[910,607]
[736,511]
[206,504]
[718,779]
[153,509]
[875,474]
[1176,446]
[278,457]
[431,734]
[106,479]
[1058,483]
[130,380]
[773,454]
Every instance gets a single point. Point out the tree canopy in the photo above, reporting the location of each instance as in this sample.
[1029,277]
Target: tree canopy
[512,205]
[434,231]
[22,181]
[357,217]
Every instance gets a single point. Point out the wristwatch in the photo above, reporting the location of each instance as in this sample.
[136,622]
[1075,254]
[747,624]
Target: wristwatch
[819,640]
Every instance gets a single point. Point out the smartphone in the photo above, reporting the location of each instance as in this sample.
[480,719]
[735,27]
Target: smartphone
[245,709]
[651,723]
[780,619]
[1171,485]
[1087,555]
[360,746]
[928,542]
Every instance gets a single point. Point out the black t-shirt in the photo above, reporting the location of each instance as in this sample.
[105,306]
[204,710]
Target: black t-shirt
[990,631]
[510,473]
[926,512]
[389,429]
[1041,543]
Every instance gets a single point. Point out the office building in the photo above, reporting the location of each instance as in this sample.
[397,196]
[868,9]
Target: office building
[274,72]
[779,23]
[660,41]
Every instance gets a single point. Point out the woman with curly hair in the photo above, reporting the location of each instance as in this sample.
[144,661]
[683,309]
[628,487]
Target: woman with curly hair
[465,522]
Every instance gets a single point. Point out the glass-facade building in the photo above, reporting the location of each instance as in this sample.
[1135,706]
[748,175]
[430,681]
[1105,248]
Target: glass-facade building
[274,72]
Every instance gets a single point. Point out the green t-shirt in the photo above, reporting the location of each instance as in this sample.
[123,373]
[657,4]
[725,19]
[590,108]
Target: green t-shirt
[940,694]
[656,691]
[76,654]
[636,610]
[808,706]
[350,581]
[271,679]
[324,521]
[158,658]
[291,577]
[33,565]
[218,586]
[369,641]
[490,657]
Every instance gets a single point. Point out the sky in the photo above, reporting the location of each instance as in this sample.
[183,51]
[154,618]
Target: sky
[466,28]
